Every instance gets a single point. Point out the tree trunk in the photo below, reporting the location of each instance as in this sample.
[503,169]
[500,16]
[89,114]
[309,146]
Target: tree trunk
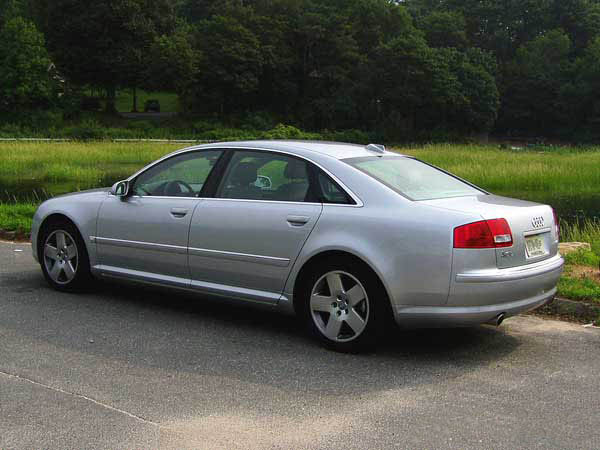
[111,94]
[134,100]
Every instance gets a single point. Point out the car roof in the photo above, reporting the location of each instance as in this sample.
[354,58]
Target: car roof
[338,150]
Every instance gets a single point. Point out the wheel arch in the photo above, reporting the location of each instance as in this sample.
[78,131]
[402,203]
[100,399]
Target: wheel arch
[54,218]
[314,260]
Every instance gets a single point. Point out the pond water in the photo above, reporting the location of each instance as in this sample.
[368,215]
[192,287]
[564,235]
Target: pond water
[37,191]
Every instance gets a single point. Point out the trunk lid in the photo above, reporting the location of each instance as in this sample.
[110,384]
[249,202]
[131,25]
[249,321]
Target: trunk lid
[532,226]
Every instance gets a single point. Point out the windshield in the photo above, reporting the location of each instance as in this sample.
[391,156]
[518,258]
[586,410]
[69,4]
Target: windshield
[413,178]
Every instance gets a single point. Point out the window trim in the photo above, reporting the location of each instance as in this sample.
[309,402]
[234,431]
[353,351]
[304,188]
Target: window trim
[227,150]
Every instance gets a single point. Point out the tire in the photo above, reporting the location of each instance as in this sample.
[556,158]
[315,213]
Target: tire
[63,257]
[343,304]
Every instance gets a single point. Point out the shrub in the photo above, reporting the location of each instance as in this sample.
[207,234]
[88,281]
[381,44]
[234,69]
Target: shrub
[87,130]
[144,127]
[282,131]
[44,120]
[11,130]
[203,126]
[227,134]
[351,136]
[262,121]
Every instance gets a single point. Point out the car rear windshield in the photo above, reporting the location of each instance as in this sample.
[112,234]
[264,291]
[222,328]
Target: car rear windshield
[413,178]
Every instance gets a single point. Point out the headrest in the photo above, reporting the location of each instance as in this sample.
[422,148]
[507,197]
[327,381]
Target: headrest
[295,169]
[245,173]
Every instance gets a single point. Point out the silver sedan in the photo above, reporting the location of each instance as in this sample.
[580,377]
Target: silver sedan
[345,236]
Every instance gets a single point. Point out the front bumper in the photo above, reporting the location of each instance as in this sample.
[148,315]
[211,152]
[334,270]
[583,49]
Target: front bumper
[480,297]
[35,229]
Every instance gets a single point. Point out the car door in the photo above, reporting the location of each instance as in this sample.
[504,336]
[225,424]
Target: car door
[144,236]
[244,241]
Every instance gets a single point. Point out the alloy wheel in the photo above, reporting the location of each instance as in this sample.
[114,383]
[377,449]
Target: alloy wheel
[339,306]
[61,257]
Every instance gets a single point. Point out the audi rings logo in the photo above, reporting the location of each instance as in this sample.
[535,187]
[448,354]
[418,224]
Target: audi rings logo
[537,222]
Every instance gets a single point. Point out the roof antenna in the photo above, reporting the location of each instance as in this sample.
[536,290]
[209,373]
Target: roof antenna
[377,148]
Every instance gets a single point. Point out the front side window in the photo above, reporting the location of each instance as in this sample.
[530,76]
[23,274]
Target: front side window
[180,176]
[412,178]
[266,176]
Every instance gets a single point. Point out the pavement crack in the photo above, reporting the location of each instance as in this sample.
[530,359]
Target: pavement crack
[81,396]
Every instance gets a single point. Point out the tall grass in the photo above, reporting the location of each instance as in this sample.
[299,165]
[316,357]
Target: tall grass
[17,217]
[28,169]
[582,231]
[566,178]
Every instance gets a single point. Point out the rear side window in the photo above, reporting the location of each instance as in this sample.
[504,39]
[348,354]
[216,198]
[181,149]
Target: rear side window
[266,176]
[330,192]
[412,178]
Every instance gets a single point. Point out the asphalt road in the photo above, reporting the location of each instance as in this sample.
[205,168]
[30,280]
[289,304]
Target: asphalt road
[134,368]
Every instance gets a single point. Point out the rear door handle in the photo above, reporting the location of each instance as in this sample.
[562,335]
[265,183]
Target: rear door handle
[179,212]
[298,221]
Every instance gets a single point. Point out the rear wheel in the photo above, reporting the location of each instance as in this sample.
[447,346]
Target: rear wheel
[343,304]
[63,257]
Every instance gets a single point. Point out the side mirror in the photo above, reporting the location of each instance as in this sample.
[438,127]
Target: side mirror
[120,189]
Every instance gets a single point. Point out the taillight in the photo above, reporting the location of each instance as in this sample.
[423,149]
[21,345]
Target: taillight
[556,224]
[494,233]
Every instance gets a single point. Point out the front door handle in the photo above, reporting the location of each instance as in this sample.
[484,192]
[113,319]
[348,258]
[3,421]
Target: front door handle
[298,221]
[179,212]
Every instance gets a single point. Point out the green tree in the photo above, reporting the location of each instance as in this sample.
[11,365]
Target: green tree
[24,66]
[230,65]
[103,43]
[172,62]
[533,83]
[402,81]
[581,93]
[445,29]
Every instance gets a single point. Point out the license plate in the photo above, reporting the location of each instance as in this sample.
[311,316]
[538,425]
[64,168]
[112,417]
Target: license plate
[535,246]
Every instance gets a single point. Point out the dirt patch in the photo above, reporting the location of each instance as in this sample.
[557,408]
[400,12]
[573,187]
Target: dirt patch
[14,236]
[570,311]
[585,272]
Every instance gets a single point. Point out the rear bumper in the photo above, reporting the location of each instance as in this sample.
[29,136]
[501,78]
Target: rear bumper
[480,297]
[513,274]
[465,316]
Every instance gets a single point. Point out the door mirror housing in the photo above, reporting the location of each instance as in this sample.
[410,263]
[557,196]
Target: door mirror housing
[120,189]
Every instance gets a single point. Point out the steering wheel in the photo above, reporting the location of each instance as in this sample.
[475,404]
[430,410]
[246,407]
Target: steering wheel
[173,188]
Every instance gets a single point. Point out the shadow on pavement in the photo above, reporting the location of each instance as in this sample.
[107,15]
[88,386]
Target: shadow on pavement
[172,332]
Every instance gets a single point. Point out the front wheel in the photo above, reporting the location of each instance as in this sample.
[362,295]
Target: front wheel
[63,257]
[343,306]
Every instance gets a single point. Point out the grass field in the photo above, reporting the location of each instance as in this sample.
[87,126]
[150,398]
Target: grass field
[568,179]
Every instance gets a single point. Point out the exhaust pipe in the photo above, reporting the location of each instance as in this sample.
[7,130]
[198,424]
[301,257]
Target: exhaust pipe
[500,319]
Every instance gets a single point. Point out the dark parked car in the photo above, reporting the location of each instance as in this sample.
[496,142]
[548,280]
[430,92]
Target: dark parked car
[152,106]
